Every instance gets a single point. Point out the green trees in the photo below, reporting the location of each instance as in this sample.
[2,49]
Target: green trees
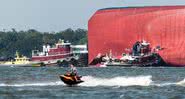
[26,41]
[72,36]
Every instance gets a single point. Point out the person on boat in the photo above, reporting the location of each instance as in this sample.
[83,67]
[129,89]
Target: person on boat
[74,72]
[67,73]
[136,49]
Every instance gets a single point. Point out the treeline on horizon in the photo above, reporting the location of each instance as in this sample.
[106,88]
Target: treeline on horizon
[26,41]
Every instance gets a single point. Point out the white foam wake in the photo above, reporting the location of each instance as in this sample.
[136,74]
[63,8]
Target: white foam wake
[34,84]
[94,81]
[164,84]
[181,83]
[91,81]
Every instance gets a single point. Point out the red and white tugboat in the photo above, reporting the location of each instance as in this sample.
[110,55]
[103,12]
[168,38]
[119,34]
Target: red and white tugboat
[52,55]
[141,55]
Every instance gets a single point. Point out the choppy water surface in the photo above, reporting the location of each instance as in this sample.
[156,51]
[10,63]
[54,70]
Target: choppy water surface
[100,83]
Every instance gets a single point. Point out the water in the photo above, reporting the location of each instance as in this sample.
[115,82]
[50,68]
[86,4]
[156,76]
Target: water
[100,83]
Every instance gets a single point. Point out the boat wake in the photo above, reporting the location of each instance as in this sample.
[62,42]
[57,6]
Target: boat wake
[91,81]
[181,83]
[33,84]
[117,81]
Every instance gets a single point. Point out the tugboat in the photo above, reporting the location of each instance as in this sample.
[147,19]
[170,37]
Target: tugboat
[53,55]
[141,56]
[18,61]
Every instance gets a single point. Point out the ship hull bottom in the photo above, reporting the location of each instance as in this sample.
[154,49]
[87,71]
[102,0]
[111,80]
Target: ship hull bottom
[55,62]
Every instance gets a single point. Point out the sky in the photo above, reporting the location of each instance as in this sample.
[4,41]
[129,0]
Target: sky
[58,15]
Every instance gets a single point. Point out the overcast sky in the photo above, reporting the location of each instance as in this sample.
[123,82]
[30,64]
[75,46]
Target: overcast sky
[56,15]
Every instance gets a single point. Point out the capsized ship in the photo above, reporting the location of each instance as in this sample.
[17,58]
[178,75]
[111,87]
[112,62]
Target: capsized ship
[119,28]
[53,55]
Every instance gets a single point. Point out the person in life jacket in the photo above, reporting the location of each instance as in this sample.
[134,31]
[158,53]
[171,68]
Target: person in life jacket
[74,72]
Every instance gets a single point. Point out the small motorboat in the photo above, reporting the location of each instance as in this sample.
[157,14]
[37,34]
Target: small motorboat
[71,80]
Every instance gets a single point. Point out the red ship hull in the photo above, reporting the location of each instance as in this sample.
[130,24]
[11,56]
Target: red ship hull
[117,29]
[51,57]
